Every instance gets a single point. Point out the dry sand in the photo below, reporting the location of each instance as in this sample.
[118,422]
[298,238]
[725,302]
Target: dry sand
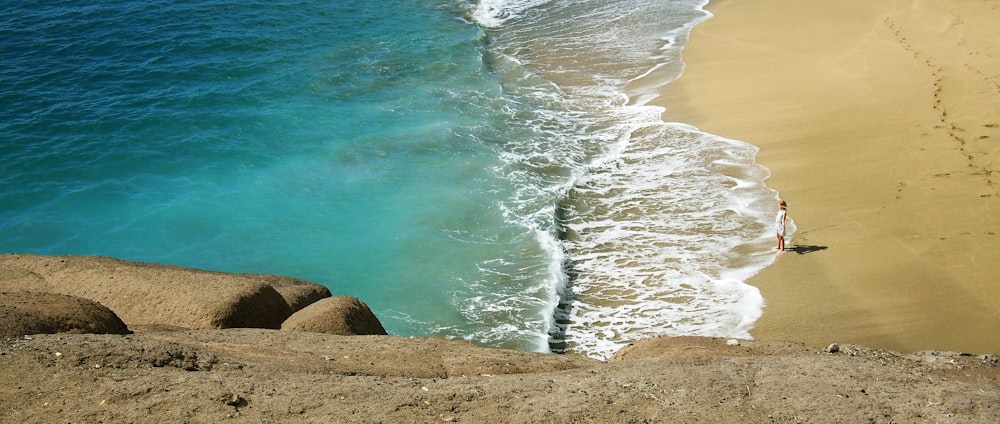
[880,123]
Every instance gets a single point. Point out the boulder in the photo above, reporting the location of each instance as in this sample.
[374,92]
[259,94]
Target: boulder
[297,293]
[341,315]
[24,313]
[145,294]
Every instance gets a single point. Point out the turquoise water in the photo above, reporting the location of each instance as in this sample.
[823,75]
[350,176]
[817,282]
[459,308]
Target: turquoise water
[464,168]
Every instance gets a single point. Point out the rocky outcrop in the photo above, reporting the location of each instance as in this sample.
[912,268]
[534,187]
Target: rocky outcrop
[694,347]
[257,375]
[265,375]
[145,294]
[297,293]
[341,315]
[48,313]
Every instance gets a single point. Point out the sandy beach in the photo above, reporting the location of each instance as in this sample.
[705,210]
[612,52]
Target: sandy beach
[880,123]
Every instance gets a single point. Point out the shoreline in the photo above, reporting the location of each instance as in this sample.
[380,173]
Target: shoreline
[878,124]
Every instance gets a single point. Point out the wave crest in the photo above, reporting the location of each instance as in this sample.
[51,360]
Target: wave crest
[494,13]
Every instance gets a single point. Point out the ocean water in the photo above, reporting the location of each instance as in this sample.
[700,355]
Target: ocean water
[489,171]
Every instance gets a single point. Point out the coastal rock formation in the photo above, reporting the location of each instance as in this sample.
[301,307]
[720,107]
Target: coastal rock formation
[297,293]
[145,294]
[257,375]
[341,315]
[26,313]
[264,375]
[693,347]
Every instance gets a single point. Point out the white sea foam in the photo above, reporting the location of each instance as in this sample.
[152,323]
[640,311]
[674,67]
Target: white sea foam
[493,13]
[660,224]
[662,238]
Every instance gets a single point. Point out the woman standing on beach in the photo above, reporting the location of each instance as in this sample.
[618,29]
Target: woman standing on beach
[779,224]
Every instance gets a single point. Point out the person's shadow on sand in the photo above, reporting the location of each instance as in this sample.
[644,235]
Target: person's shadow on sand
[803,249]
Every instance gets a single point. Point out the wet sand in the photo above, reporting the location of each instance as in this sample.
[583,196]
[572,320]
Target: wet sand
[880,123]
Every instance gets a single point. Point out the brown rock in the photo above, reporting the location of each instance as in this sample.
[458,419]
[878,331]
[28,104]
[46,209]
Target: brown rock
[153,294]
[257,375]
[297,293]
[47,313]
[699,347]
[341,315]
